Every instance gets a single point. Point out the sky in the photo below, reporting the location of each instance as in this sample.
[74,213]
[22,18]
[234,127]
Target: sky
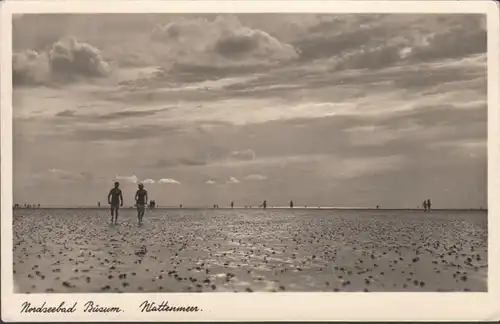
[329,110]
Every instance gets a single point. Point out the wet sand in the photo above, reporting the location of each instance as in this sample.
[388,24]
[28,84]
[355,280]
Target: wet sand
[76,251]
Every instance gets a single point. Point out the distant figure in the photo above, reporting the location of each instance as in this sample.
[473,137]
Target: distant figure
[98,204]
[291,203]
[429,205]
[141,199]
[264,204]
[232,204]
[115,200]
[425,205]
[180,205]
[378,206]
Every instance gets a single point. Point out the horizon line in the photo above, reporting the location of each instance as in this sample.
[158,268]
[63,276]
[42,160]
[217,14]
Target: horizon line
[254,207]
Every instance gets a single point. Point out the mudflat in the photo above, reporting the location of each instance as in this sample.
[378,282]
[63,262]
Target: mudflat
[249,250]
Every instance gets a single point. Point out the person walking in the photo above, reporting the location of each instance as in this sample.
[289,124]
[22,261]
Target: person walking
[115,200]
[141,200]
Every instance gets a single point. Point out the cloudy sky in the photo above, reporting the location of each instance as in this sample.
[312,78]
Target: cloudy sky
[332,110]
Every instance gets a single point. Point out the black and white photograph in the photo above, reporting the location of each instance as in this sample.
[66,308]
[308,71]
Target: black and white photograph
[249,152]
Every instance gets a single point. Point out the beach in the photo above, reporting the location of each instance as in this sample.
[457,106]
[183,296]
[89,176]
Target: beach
[249,250]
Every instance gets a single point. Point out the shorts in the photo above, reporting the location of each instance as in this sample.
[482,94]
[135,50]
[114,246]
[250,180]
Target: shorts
[141,208]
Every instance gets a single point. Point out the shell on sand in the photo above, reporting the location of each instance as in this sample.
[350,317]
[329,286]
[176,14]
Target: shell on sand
[249,251]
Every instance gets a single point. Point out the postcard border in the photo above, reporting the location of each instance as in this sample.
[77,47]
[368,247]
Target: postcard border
[265,306]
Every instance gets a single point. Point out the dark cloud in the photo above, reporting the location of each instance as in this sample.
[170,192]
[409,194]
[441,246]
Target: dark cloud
[206,156]
[180,161]
[66,113]
[121,134]
[235,46]
[467,37]
[375,41]
[332,44]
[111,116]
[129,114]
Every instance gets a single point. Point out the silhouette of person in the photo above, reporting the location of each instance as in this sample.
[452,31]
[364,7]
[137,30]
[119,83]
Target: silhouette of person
[264,204]
[425,205]
[378,206]
[291,203]
[115,200]
[141,199]
[428,204]
[232,204]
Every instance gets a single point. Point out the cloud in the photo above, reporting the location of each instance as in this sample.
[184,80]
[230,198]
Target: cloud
[243,155]
[167,180]
[210,182]
[465,38]
[66,175]
[180,161]
[233,180]
[376,41]
[129,179]
[67,60]
[69,57]
[29,68]
[130,114]
[121,133]
[221,41]
[66,113]
[206,156]
[255,177]
[148,181]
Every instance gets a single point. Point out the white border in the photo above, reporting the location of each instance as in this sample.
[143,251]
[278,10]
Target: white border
[264,306]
